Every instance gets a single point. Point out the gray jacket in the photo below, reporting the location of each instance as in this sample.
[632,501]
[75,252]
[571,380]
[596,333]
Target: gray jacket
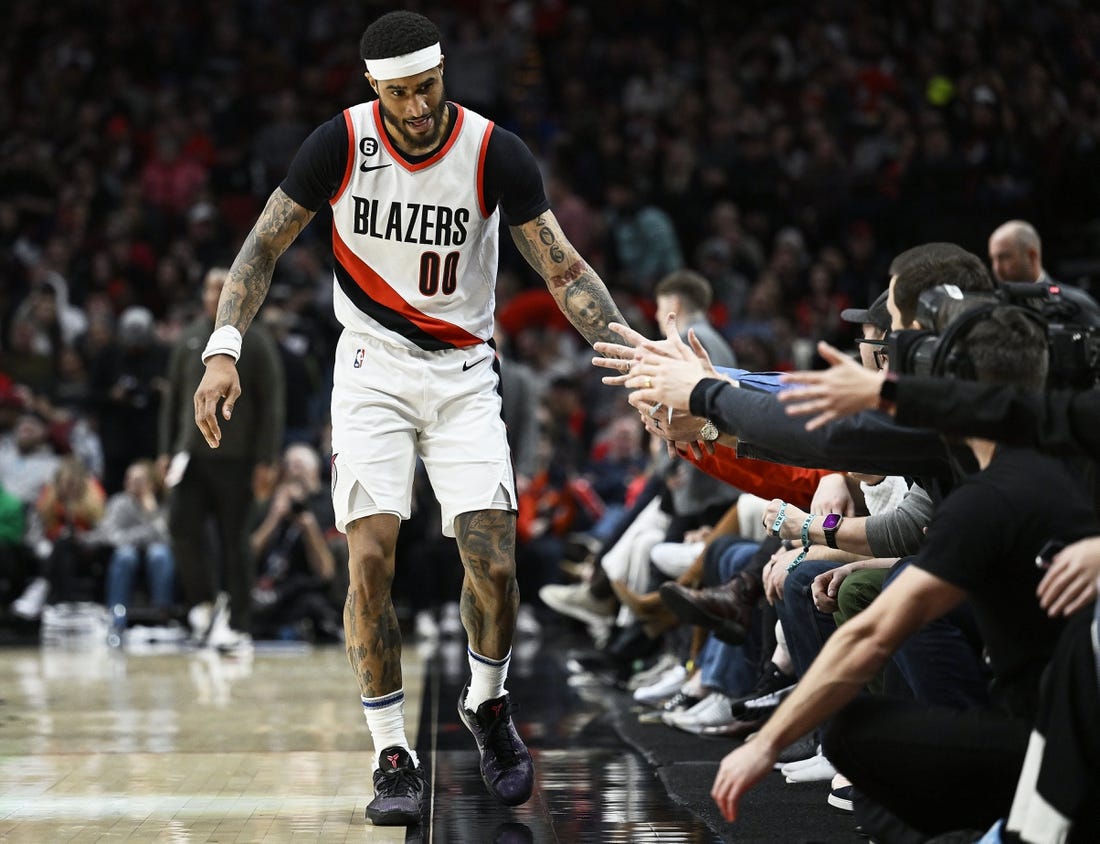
[126,522]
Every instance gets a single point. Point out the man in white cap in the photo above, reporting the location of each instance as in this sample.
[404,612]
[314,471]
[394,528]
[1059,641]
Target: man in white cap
[416,185]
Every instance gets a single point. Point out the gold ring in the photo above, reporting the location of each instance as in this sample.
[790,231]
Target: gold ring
[649,383]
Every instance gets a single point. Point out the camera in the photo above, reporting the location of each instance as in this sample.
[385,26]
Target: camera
[297,507]
[948,313]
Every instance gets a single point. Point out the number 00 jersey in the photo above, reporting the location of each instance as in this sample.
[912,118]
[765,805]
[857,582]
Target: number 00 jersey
[415,243]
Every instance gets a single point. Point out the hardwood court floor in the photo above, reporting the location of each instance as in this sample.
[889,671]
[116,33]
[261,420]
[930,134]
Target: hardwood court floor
[108,745]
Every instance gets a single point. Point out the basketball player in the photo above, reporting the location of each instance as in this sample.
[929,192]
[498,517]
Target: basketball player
[416,184]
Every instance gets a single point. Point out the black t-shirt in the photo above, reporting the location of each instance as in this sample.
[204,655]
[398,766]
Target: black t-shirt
[984,538]
[512,177]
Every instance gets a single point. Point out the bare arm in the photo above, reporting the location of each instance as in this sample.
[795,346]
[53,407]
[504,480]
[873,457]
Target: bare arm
[579,292]
[849,659]
[281,221]
[246,286]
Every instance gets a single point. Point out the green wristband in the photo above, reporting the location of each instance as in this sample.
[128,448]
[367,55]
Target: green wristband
[806,530]
[797,561]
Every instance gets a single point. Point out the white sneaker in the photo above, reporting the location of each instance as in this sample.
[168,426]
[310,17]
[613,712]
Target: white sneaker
[198,619]
[710,716]
[222,637]
[425,626]
[821,770]
[663,687]
[450,620]
[577,601]
[526,623]
[29,605]
[799,763]
[648,676]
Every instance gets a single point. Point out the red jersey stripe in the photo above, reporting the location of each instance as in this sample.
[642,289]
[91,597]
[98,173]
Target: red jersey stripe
[378,289]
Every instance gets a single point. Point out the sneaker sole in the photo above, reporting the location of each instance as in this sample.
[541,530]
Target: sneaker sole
[393,818]
[582,615]
[845,805]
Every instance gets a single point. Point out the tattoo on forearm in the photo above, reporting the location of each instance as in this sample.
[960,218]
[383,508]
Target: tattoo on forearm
[590,308]
[490,597]
[580,293]
[250,275]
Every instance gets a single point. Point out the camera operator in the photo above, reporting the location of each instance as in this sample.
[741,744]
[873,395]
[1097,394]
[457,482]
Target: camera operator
[292,595]
[940,771]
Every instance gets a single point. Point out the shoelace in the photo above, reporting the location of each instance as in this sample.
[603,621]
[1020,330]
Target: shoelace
[400,780]
[497,736]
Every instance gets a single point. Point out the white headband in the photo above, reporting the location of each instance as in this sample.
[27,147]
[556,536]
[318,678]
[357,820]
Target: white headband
[398,67]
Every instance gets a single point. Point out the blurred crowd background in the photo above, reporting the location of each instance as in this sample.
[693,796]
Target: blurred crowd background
[786,151]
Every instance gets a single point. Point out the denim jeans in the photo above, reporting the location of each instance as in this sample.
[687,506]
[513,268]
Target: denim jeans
[732,669]
[160,573]
[805,627]
[941,661]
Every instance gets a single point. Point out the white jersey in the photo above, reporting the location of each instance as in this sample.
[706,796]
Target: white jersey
[415,246]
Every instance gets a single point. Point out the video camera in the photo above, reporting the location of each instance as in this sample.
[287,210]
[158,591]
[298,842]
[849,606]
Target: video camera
[1072,331]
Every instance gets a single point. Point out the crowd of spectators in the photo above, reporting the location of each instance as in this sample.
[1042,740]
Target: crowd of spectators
[784,151]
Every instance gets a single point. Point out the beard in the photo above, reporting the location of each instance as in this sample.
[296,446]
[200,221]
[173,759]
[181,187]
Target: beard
[418,143]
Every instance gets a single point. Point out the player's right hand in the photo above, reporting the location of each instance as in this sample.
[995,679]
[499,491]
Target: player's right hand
[219,382]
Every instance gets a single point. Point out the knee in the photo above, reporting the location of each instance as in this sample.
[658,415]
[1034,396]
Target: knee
[499,573]
[370,574]
[159,554]
[850,599]
[125,557]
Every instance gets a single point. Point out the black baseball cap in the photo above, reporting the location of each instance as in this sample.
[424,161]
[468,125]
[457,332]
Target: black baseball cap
[878,314]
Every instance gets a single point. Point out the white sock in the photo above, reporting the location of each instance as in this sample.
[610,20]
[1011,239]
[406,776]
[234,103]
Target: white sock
[487,678]
[386,720]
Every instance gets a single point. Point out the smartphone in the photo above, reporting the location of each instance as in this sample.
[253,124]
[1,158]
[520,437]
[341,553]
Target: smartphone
[1046,554]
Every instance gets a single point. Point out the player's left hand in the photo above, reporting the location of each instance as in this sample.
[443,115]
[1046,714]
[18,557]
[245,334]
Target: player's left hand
[220,381]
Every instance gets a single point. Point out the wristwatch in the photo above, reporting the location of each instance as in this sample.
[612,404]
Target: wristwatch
[830,527]
[709,432]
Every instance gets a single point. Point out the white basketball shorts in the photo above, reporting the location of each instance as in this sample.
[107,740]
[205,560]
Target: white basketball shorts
[390,404]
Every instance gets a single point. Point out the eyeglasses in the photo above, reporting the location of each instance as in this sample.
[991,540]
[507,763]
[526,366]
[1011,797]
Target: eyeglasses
[881,352]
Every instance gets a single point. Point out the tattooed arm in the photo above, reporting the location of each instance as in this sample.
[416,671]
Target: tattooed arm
[250,276]
[244,291]
[579,292]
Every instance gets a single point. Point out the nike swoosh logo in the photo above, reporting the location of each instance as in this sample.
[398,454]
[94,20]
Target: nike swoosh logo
[363,168]
[469,365]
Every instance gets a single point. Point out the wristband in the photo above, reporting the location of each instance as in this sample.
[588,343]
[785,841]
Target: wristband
[224,341]
[777,525]
[797,561]
[806,530]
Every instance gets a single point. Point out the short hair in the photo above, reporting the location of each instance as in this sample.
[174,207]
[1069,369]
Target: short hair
[926,253]
[688,285]
[1007,346]
[397,33]
[963,269]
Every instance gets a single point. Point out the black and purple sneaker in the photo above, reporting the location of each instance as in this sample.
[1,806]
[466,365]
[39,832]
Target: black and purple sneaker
[505,762]
[399,789]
